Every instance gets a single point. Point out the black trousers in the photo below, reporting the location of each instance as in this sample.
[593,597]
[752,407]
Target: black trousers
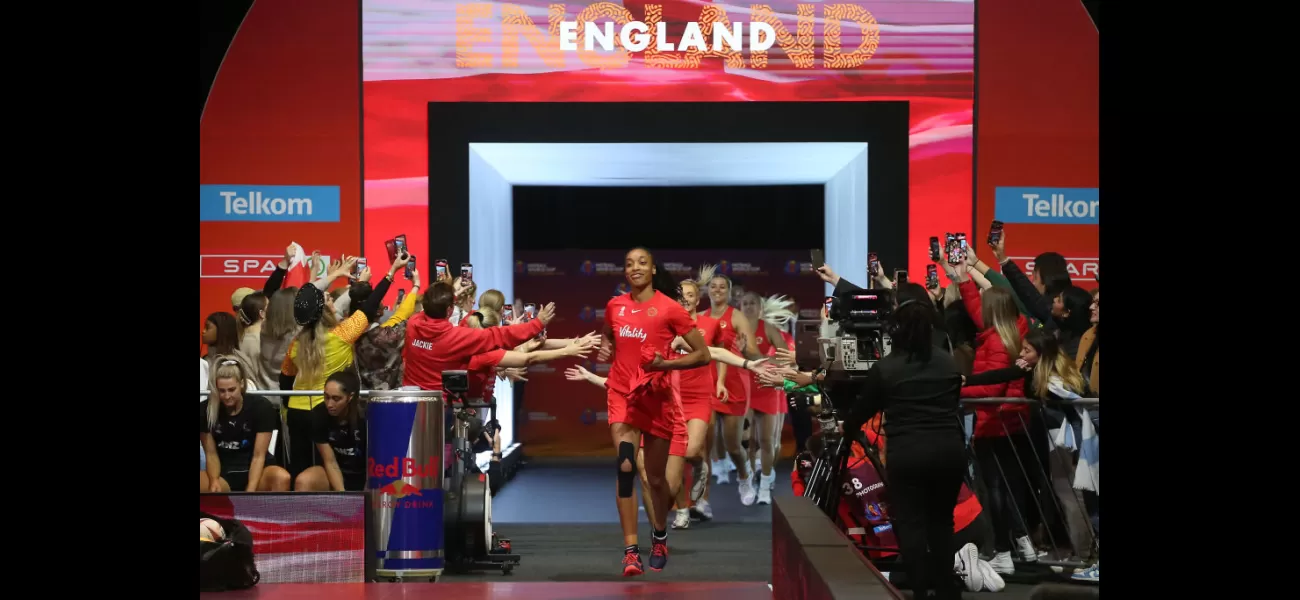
[801,423]
[978,532]
[1006,485]
[925,476]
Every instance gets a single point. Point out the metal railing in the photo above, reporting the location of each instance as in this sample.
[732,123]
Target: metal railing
[363,393]
[1029,478]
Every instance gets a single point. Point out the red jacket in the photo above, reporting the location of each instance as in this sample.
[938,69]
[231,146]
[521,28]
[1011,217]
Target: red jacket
[434,345]
[991,354]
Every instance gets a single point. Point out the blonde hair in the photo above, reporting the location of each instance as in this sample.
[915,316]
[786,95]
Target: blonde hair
[490,305]
[310,358]
[706,275]
[467,294]
[776,310]
[1062,367]
[492,299]
[1000,313]
[227,367]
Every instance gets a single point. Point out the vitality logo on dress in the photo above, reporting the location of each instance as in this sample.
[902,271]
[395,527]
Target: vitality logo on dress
[630,332]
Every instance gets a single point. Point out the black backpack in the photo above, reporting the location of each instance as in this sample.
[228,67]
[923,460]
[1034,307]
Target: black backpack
[227,564]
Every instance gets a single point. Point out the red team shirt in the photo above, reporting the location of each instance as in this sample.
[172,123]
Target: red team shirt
[737,384]
[695,386]
[639,329]
[762,399]
[482,374]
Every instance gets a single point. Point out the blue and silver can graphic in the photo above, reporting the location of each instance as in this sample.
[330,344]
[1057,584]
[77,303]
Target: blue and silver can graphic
[404,468]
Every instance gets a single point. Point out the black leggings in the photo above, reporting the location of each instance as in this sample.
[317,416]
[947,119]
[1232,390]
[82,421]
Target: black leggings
[925,476]
[302,453]
[1006,494]
[801,423]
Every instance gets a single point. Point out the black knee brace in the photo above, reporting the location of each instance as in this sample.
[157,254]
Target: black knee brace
[626,455]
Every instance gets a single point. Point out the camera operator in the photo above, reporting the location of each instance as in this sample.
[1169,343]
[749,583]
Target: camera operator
[919,390]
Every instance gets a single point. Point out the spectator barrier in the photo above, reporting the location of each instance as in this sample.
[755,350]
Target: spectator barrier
[1057,458]
[1043,469]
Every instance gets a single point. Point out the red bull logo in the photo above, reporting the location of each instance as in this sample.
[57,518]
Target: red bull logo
[398,493]
[400,489]
[401,468]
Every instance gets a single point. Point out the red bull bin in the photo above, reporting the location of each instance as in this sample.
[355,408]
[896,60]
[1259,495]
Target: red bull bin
[405,466]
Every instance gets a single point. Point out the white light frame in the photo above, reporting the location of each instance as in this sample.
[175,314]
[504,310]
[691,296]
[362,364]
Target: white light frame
[494,170]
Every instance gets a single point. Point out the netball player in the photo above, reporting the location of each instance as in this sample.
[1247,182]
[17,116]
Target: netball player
[679,451]
[235,429]
[338,428]
[639,328]
[770,315]
[732,407]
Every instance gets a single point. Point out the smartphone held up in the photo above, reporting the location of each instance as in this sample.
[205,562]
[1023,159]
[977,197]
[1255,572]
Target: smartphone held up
[995,233]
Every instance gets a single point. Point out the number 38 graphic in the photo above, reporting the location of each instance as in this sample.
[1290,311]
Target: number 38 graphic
[850,487]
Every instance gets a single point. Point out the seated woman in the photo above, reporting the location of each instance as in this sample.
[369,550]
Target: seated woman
[235,430]
[338,428]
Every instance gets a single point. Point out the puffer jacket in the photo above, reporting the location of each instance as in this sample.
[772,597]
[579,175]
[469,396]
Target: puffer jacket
[991,354]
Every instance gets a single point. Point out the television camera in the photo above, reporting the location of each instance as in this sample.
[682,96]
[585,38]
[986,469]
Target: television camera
[858,317]
[856,339]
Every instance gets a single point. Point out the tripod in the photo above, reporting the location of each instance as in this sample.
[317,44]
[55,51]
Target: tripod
[823,482]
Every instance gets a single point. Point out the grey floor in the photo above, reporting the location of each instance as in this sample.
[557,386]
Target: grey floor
[561,518]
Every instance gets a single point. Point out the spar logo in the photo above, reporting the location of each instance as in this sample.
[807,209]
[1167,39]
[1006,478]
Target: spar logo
[251,266]
[1080,269]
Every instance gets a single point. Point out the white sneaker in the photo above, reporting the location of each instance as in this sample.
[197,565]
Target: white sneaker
[701,480]
[747,493]
[1002,564]
[1025,548]
[992,581]
[703,509]
[1091,574]
[765,488]
[966,565]
[721,473]
[682,520]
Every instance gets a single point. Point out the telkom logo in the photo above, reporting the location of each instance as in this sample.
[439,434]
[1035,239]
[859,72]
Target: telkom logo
[1061,206]
[283,203]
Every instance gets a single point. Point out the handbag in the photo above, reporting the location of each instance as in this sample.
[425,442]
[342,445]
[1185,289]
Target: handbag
[227,564]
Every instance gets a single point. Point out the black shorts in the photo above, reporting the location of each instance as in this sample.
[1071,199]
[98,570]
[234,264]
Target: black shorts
[237,480]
